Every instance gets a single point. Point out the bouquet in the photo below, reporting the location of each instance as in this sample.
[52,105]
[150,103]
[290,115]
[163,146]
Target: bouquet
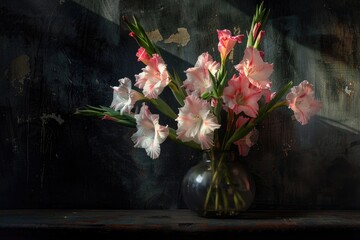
[216,111]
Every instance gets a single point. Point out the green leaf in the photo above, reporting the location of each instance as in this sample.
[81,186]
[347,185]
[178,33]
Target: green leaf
[172,136]
[177,93]
[163,107]
[215,85]
[100,112]
[89,112]
[206,96]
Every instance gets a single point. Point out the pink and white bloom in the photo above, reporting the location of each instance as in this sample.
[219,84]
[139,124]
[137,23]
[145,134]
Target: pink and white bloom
[150,134]
[198,77]
[245,143]
[227,42]
[143,55]
[241,96]
[154,77]
[301,100]
[124,97]
[196,122]
[255,69]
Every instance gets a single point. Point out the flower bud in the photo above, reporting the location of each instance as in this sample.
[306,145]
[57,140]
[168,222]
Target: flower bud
[256,29]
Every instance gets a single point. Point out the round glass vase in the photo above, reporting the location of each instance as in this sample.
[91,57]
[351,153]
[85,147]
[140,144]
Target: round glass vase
[219,186]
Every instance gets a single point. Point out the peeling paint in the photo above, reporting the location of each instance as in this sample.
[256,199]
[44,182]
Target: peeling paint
[286,148]
[45,118]
[155,36]
[236,30]
[182,37]
[349,89]
[18,71]
[231,56]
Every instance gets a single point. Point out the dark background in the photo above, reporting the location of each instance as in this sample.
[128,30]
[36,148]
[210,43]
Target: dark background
[57,56]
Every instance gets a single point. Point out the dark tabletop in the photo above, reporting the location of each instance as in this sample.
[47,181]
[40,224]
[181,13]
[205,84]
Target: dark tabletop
[176,224]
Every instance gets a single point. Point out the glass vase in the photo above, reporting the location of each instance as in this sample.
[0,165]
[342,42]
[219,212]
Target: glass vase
[219,186]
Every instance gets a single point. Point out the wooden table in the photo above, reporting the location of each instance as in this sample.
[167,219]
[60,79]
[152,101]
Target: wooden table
[176,224]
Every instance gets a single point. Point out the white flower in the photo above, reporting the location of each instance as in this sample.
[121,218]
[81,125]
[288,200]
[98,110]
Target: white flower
[124,97]
[196,123]
[150,134]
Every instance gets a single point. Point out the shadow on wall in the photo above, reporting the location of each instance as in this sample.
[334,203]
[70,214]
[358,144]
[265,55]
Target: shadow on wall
[295,169]
[49,157]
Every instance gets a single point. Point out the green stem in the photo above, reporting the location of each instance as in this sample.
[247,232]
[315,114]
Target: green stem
[213,179]
[208,194]
[225,200]
[217,195]
[230,124]
[220,196]
[237,196]
[163,107]
[177,93]
[172,136]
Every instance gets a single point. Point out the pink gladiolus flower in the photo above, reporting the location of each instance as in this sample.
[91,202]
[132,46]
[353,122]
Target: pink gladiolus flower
[132,34]
[227,42]
[255,69]
[241,96]
[124,97]
[245,143]
[143,55]
[302,101]
[198,77]
[154,77]
[150,134]
[196,122]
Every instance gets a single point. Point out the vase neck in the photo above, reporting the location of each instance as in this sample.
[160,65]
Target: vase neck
[217,155]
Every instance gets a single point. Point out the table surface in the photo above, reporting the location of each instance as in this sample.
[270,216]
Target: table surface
[175,224]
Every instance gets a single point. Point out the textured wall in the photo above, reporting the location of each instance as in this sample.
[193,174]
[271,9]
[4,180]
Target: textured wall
[59,55]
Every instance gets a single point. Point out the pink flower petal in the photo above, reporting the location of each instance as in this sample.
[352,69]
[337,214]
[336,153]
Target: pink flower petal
[302,101]
[255,69]
[143,55]
[227,42]
[241,96]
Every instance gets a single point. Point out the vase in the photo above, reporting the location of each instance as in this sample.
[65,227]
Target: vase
[218,186]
